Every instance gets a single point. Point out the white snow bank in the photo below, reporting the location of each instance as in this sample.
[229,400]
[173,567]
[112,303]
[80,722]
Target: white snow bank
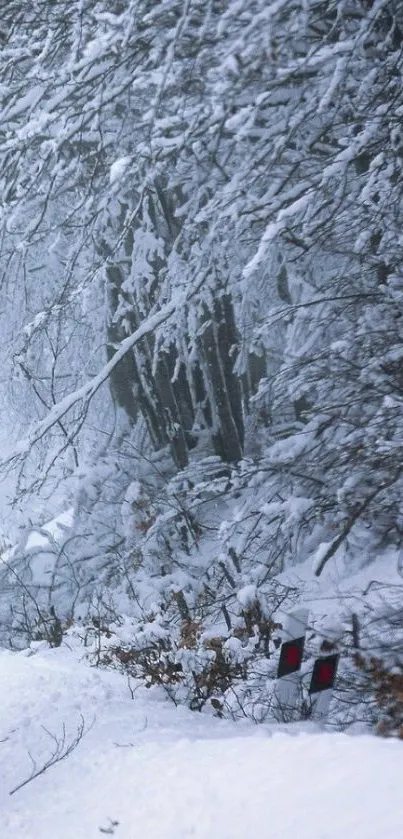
[151,771]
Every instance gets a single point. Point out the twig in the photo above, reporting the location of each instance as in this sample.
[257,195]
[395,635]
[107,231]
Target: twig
[353,518]
[61,750]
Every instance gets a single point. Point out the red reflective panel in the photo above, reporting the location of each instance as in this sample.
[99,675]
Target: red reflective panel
[293,655]
[325,673]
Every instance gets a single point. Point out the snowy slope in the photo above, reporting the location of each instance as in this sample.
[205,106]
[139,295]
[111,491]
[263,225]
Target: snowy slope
[148,770]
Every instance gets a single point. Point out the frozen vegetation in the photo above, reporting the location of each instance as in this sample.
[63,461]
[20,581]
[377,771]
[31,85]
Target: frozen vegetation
[201,424]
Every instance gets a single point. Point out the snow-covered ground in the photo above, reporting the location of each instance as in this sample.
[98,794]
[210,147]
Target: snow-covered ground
[148,770]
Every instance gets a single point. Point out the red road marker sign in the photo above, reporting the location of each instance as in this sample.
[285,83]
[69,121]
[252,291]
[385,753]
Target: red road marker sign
[324,673]
[290,657]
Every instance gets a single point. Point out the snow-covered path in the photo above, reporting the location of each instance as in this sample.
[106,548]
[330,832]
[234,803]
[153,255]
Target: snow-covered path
[147,770]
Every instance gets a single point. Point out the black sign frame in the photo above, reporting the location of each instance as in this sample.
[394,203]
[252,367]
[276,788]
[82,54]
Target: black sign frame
[317,685]
[285,668]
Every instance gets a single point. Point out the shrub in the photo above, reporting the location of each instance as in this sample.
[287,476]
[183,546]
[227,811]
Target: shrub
[386,684]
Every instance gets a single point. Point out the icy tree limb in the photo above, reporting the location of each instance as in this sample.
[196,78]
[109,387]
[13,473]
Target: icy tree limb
[353,518]
[87,391]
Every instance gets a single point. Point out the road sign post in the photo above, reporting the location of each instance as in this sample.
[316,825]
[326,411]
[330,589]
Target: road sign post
[322,683]
[288,685]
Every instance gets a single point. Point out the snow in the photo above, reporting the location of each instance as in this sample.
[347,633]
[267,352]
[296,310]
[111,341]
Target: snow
[118,169]
[319,556]
[247,595]
[147,769]
[52,531]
